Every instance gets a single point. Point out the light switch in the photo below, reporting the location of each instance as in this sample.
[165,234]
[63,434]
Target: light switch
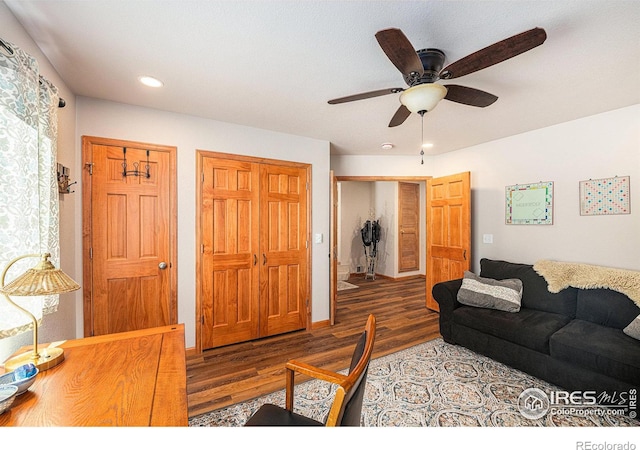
[487,238]
[318,238]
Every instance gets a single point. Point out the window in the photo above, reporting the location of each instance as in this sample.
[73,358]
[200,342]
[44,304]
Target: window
[28,184]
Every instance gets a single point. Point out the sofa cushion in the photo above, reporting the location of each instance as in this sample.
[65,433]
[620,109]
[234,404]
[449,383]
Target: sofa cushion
[528,328]
[504,295]
[535,293]
[606,307]
[598,348]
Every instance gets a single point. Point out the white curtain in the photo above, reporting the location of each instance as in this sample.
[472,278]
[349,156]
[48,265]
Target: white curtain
[28,178]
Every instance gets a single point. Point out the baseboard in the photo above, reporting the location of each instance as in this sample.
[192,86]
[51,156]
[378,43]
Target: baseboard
[387,277]
[320,324]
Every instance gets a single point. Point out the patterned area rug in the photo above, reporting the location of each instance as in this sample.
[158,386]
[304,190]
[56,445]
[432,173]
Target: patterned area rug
[343,285]
[432,384]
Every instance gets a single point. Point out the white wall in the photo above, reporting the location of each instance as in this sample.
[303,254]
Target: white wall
[355,203]
[60,325]
[188,133]
[599,146]
[385,200]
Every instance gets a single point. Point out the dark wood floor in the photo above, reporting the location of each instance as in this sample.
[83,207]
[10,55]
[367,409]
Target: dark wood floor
[231,374]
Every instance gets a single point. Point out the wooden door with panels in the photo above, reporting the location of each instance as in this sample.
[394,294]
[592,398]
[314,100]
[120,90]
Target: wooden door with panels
[448,230]
[229,225]
[283,248]
[254,257]
[129,236]
[409,227]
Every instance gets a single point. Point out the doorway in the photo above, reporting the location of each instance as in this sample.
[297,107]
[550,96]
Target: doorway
[366,204]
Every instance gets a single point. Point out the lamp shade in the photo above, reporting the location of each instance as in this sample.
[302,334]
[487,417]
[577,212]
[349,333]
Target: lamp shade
[43,279]
[423,97]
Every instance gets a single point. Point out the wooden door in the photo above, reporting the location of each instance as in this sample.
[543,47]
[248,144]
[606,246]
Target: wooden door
[409,227]
[283,248]
[129,236]
[229,236]
[448,230]
[253,266]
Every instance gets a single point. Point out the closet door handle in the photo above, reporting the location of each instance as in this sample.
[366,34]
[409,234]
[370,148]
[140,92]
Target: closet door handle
[255,259]
[264,259]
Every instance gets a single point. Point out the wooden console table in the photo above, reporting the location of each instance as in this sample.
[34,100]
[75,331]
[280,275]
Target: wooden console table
[136,378]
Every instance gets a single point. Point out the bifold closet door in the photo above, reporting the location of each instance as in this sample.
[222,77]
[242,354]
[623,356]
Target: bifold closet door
[254,262]
[229,233]
[283,248]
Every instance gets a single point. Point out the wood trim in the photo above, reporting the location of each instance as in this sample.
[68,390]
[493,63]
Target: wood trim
[381,178]
[253,159]
[87,264]
[198,250]
[320,324]
[309,248]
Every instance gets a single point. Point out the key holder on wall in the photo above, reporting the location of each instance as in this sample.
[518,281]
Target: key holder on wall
[64,186]
[135,172]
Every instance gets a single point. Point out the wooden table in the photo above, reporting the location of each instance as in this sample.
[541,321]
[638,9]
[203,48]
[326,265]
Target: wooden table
[136,378]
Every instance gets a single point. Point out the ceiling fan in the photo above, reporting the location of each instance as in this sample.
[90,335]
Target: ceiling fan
[422,68]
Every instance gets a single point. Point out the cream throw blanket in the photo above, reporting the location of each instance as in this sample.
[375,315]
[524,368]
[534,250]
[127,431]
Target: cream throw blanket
[560,275]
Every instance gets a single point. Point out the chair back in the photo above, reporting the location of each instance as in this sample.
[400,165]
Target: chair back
[346,409]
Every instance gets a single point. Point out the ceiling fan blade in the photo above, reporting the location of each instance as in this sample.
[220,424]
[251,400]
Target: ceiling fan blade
[400,51]
[495,53]
[400,116]
[365,95]
[469,96]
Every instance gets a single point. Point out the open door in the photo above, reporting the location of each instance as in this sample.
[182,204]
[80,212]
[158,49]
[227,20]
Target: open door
[448,230]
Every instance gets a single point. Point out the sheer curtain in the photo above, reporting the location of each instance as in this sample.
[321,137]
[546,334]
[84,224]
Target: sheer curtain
[28,181]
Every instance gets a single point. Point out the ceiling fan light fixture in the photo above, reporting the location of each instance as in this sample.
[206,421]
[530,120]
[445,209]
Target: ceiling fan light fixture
[423,97]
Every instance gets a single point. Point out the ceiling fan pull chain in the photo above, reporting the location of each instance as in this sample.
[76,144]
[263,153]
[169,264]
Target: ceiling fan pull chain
[422,137]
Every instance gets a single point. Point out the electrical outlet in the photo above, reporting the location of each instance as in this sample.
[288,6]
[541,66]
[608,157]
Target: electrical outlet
[487,238]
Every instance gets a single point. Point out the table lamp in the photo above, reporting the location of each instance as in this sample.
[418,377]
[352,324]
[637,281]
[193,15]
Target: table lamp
[43,279]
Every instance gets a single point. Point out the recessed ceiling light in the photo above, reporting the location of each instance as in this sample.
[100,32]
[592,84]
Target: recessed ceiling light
[150,81]
[387,146]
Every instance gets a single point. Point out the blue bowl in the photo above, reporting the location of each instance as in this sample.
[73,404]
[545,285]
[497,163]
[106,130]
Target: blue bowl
[22,377]
[7,396]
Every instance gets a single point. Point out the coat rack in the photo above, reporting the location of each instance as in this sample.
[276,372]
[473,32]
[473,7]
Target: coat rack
[64,187]
[135,172]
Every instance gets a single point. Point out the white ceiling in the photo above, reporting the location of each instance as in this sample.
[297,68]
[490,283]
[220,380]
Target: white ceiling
[275,64]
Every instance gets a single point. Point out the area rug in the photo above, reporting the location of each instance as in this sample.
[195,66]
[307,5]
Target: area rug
[432,384]
[343,285]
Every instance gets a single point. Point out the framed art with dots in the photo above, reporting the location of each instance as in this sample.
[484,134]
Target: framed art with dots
[606,196]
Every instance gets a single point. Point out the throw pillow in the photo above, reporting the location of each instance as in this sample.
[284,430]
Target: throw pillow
[503,295]
[633,329]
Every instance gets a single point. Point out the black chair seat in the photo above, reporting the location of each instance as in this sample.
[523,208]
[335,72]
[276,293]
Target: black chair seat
[273,416]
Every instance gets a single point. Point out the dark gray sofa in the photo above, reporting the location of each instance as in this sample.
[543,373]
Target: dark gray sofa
[572,339]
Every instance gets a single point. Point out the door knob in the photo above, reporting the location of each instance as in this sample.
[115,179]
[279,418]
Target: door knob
[162,265]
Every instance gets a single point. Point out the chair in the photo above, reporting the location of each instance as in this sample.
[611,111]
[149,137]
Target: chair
[346,408]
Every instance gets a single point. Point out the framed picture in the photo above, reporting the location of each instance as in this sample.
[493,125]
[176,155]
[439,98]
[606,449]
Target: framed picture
[605,196]
[529,204]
